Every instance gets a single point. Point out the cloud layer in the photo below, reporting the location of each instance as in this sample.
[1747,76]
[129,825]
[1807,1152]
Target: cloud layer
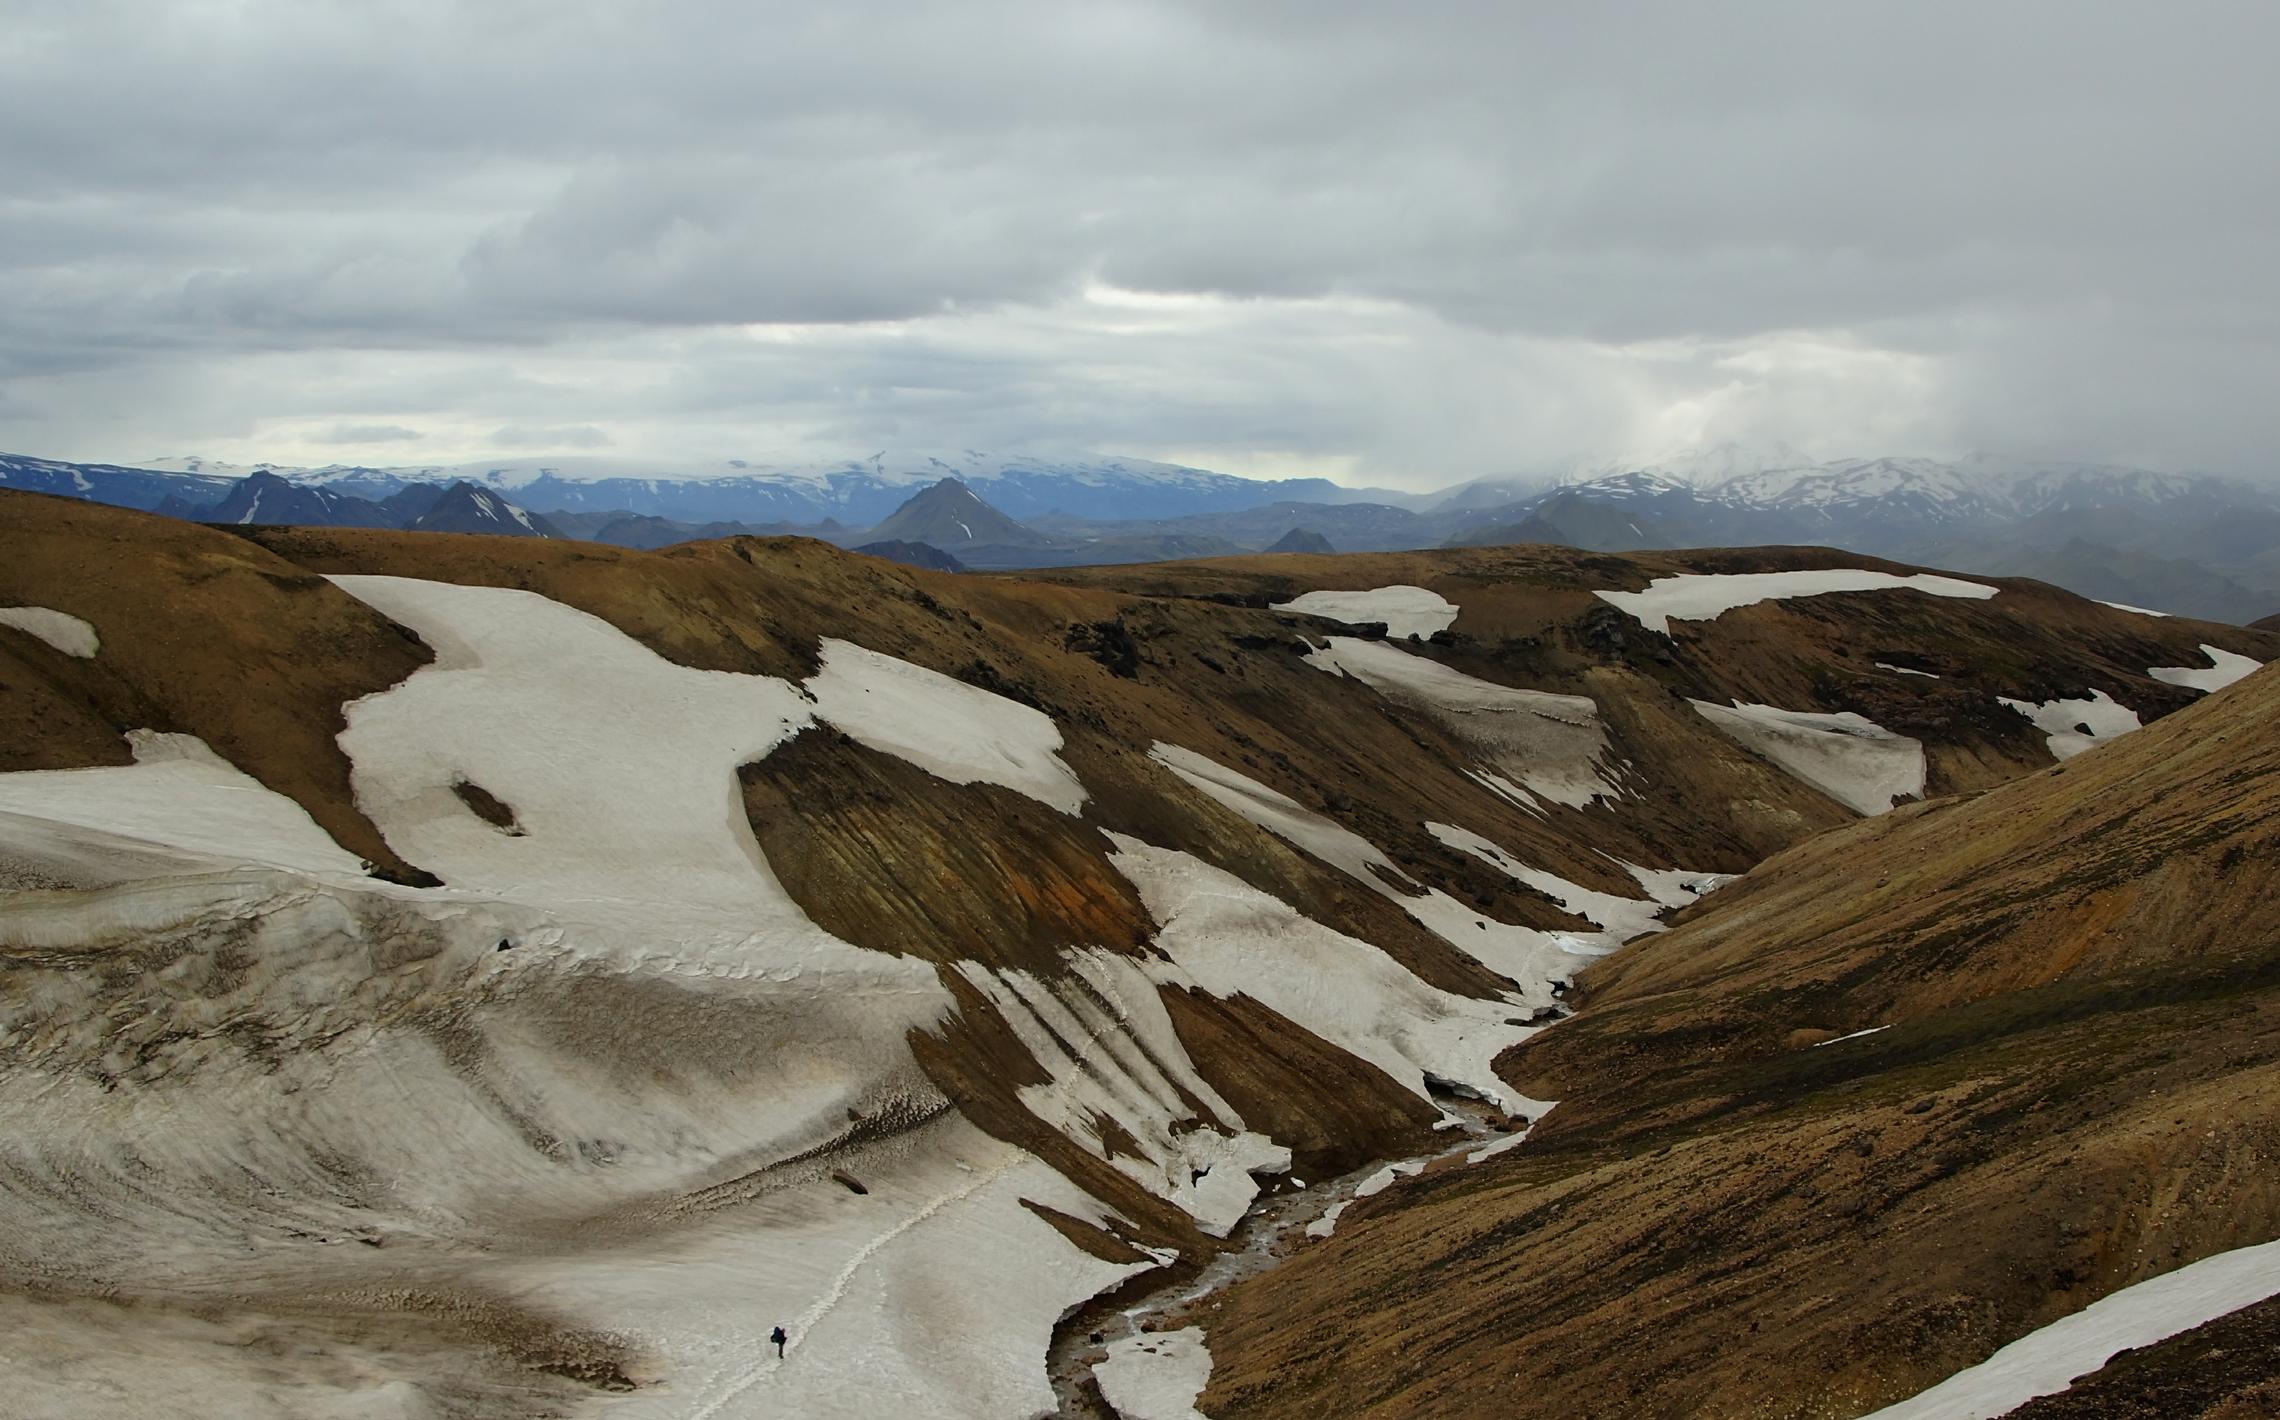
[1272,237]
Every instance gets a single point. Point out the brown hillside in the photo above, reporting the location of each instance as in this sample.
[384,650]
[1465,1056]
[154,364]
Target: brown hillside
[202,633]
[2077,981]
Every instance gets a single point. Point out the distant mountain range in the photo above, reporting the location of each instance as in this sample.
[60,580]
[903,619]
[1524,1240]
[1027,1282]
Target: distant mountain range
[2184,544]
[857,491]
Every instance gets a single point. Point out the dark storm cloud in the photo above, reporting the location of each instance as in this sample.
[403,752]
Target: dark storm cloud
[1496,233]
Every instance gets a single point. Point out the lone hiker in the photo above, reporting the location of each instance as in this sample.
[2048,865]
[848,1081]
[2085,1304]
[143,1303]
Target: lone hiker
[779,1338]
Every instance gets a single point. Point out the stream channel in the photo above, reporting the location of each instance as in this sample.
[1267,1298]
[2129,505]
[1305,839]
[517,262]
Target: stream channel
[1273,1229]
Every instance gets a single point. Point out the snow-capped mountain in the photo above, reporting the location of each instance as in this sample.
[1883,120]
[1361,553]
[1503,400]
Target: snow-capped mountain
[856,491]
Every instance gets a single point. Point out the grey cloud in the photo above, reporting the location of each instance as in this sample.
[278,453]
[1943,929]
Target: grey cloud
[365,434]
[561,436]
[1477,227]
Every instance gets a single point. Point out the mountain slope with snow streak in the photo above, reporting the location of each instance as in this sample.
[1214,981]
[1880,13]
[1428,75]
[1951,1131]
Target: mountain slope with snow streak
[772,935]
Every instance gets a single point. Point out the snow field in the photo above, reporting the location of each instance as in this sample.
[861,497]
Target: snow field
[1552,744]
[59,629]
[1846,756]
[1706,596]
[2072,726]
[2225,667]
[1530,958]
[952,730]
[1406,611]
[2047,1361]
[738,1039]
[1156,1375]
[177,798]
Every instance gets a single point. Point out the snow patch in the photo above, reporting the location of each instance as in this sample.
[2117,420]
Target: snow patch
[2046,1361]
[1619,918]
[1225,937]
[1705,596]
[1156,1375]
[1856,1035]
[1106,1041]
[1531,958]
[952,730]
[60,629]
[2225,667]
[1902,670]
[1846,756]
[2141,611]
[2072,726]
[1552,744]
[1405,610]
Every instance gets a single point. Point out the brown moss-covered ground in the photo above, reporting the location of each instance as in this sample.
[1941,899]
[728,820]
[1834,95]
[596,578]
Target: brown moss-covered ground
[1735,1214]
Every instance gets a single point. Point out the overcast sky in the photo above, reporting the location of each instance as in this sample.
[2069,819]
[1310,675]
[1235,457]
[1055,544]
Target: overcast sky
[1271,238]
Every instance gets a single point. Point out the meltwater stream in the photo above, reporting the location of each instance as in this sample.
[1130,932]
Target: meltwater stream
[1276,1227]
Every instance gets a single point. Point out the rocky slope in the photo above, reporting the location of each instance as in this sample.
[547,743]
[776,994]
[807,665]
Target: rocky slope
[507,976]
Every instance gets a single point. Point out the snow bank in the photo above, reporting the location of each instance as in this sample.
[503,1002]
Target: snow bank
[1156,1375]
[2073,726]
[952,730]
[1405,610]
[180,796]
[1531,958]
[2047,1361]
[1552,744]
[1106,1041]
[1902,670]
[2225,668]
[60,629]
[1847,756]
[2141,611]
[1704,596]
[1226,938]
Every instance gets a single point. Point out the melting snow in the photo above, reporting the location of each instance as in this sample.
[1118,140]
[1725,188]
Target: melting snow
[1156,1375]
[1109,1047]
[62,630]
[1405,610]
[2073,726]
[1847,756]
[1229,939]
[2225,668]
[1619,918]
[952,730]
[1532,958]
[178,797]
[1553,744]
[1705,596]
[1675,887]
[2045,1362]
